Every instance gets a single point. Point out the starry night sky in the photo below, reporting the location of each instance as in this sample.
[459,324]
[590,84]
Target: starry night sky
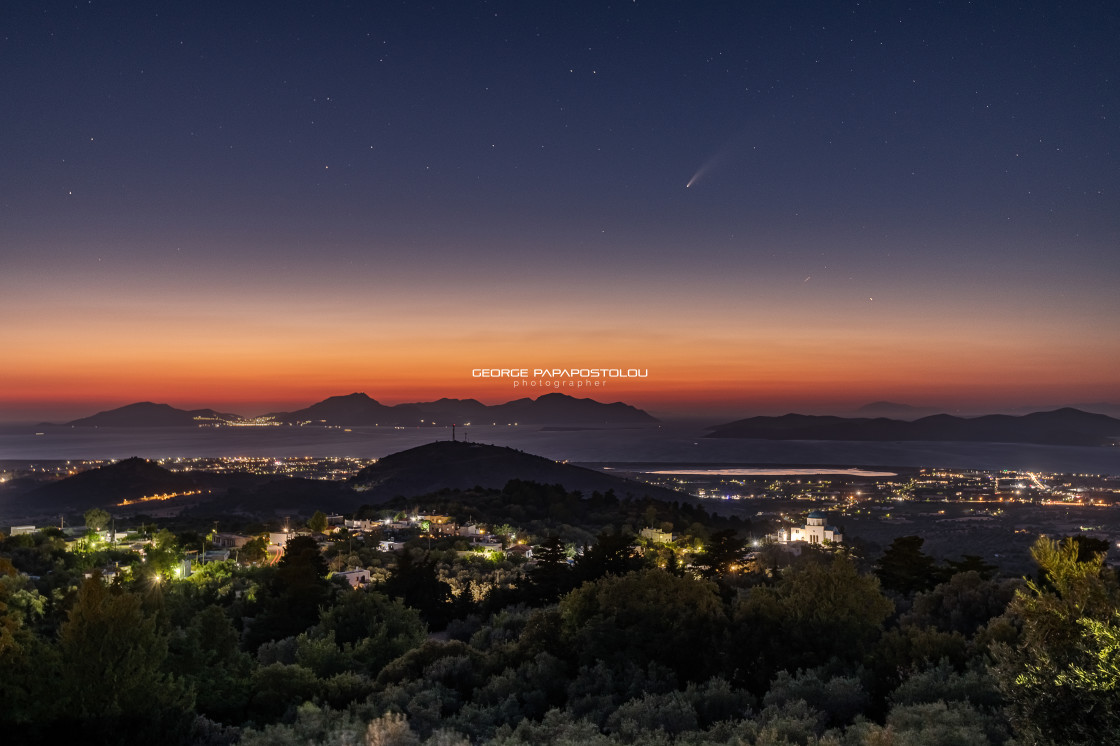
[771,206]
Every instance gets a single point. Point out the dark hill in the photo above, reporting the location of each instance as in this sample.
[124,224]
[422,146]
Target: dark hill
[266,496]
[1066,427]
[561,409]
[147,414]
[108,485]
[551,409]
[352,409]
[458,465]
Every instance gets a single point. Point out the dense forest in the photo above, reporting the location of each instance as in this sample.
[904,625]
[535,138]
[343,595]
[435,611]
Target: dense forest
[601,637]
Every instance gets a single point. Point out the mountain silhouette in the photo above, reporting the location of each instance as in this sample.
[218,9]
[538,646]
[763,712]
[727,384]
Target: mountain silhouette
[147,414]
[359,409]
[110,484]
[457,465]
[1066,427]
[549,409]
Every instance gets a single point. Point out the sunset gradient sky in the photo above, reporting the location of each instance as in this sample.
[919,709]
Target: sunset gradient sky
[253,206]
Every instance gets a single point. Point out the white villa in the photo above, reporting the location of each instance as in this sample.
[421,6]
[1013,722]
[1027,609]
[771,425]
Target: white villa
[356,578]
[813,532]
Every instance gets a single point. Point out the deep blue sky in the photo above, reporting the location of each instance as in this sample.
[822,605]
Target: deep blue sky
[956,161]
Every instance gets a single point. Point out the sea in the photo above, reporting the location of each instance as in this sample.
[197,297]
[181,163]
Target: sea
[665,444]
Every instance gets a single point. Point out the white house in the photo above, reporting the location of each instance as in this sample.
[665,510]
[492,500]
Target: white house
[656,535]
[813,532]
[356,578]
[486,543]
[232,541]
[522,550]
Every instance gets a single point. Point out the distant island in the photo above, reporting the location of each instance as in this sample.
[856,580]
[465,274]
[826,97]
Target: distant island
[359,409]
[148,414]
[1063,427]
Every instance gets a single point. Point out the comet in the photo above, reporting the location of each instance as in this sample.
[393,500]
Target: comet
[738,148]
[715,162]
[700,172]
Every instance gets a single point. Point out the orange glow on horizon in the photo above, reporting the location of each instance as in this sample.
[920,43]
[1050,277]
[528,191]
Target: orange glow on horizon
[253,387]
[253,354]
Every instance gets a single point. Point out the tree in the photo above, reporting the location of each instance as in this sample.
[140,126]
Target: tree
[927,724]
[416,582]
[390,729]
[97,519]
[27,663]
[278,689]
[372,628]
[295,594]
[962,604]
[111,669]
[636,720]
[973,563]
[504,531]
[164,554]
[1062,679]
[838,698]
[318,522]
[206,655]
[612,554]
[646,616]
[551,575]
[1088,547]
[721,554]
[255,550]
[303,562]
[944,683]
[10,621]
[817,611]
[904,568]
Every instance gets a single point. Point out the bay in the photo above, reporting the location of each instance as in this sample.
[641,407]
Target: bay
[668,443]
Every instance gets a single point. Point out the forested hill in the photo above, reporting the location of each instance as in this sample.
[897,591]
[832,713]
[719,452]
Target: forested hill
[549,509]
[457,465]
[129,479]
[435,467]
